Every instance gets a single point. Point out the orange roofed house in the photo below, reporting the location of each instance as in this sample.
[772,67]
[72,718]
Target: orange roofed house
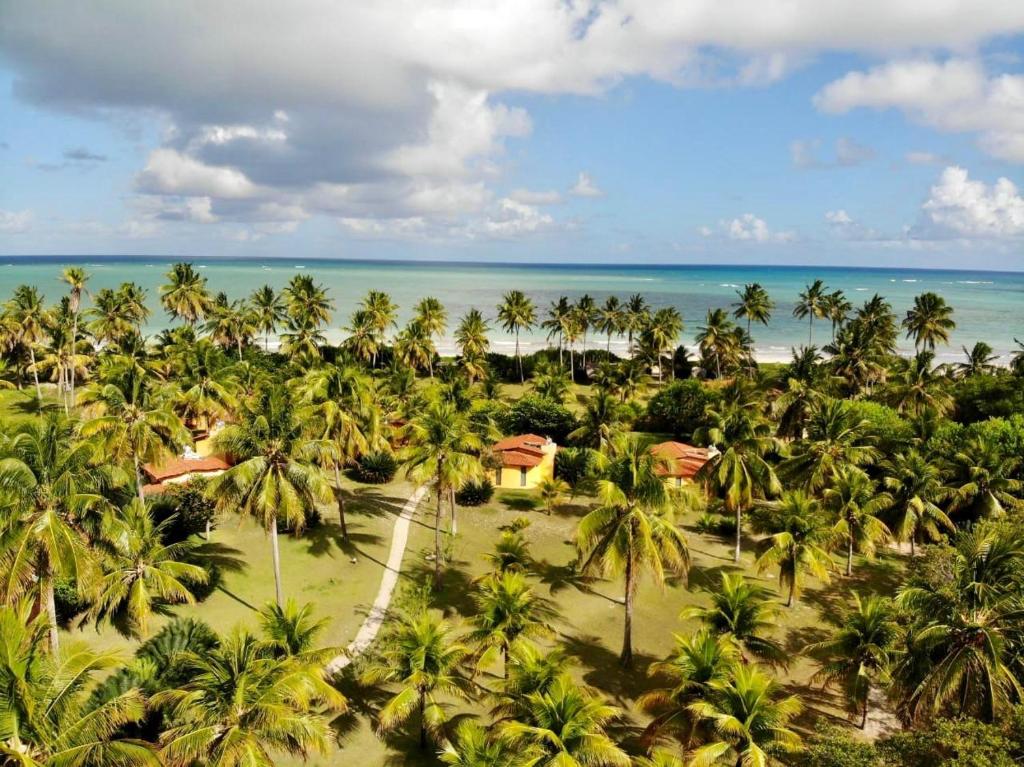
[181,469]
[526,461]
[684,461]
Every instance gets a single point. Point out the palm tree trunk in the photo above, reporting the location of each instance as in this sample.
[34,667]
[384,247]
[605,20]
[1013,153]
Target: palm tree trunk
[50,603]
[626,658]
[792,591]
[912,552]
[74,337]
[138,479]
[608,346]
[739,533]
[423,721]
[277,561]
[864,710]
[519,359]
[572,365]
[341,501]
[849,556]
[561,361]
[437,535]
[810,327]
[35,375]
[238,341]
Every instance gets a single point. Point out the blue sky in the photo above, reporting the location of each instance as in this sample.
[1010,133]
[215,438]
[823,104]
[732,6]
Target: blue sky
[869,133]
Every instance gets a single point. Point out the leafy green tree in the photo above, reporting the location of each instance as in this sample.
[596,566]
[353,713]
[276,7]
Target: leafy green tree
[855,503]
[836,438]
[811,303]
[679,407]
[915,486]
[742,611]
[929,321]
[185,296]
[516,312]
[508,613]
[28,318]
[75,277]
[268,312]
[799,540]
[754,305]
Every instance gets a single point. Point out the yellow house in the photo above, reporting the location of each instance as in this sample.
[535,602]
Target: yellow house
[526,461]
[682,461]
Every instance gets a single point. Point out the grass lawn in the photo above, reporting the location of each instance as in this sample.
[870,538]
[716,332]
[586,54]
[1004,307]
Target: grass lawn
[20,405]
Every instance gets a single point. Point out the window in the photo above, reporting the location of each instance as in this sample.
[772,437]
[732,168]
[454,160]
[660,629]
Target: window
[497,476]
[679,481]
[522,477]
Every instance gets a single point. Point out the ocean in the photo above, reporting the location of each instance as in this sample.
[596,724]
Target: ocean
[988,306]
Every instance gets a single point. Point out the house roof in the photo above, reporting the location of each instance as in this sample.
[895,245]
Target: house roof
[521,458]
[686,460]
[177,466]
[521,442]
[523,450]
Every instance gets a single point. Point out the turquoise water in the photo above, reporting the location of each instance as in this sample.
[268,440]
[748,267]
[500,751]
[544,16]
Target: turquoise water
[989,306]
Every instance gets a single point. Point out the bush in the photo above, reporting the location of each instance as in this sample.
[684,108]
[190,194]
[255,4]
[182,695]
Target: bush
[475,493]
[536,415]
[575,465]
[188,506]
[682,365]
[376,468]
[982,397]
[679,408]
[69,602]
[716,524]
[890,429]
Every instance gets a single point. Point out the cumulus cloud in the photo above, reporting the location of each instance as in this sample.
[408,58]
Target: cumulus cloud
[585,186]
[842,225]
[15,221]
[750,228]
[966,207]
[536,197]
[955,95]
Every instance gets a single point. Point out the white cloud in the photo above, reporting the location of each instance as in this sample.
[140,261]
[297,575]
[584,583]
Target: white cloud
[804,153]
[850,152]
[536,197]
[168,171]
[750,228]
[923,158]
[514,219]
[585,186]
[844,226]
[956,95]
[972,208]
[15,221]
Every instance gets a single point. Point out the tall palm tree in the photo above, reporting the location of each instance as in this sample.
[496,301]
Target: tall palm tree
[929,321]
[208,388]
[812,303]
[920,388]
[75,277]
[755,305]
[661,333]
[306,302]
[835,439]
[421,656]
[109,323]
[54,493]
[443,449]
[50,716]
[269,311]
[565,727]
[858,655]
[185,296]
[855,503]
[635,318]
[610,319]
[558,315]
[432,317]
[981,361]
[277,474]
[475,746]
[379,314]
[837,309]
[983,480]
[601,418]
[516,312]
[742,611]
[142,573]
[414,347]
[586,314]
[28,318]
[799,540]
[634,529]
[471,338]
[748,718]
[915,485]
[242,705]
[508,613]
[293,632]
[697,660]
[712,336]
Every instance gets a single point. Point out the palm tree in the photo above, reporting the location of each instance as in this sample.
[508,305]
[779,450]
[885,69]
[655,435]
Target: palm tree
[241,704]
[739,472]
[431,315]
[53,490]
[422,657]
[268,310]
[835,439]
[471,337]
[811,303]
[28,318]
[983,480]
[109,321]
[754,305]
[748,717]
[855,502]
[599,421]
[799,541]
[306,302]
[414,347]
[293,632]
[858,655]
[185,296]
[635,317]
[142,573]
[508,613]
[516,312]
[930,320]
[565,727]
[551,493]
[742,611]
[558,316]
[712,336]
[1017,358]
[208,388]
[378,314]
[585,314]
[837,309]
[920,388]
[474,746]
[75,277]
[661,333]
[531,670]
[915,485]
[50,716]
[442,449]
[277,474]
[634,529]
[610,319]
[698,660]
[981,361]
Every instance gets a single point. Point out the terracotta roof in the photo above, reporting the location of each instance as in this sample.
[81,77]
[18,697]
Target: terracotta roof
[153,489]
[520,442]
[517,458]
[176,467]
[686,460]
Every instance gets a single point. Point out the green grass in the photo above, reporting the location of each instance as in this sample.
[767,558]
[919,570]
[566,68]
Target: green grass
[20,405]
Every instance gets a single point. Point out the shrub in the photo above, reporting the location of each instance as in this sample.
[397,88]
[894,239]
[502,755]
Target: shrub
[575,465]
[682,365]
[189,507]
[376,468]
[716,524]
[475,493]
[537,415]
[981,397]
[890,429]
[679,408]
[68,601]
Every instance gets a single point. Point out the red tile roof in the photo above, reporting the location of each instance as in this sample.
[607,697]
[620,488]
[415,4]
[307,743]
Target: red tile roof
[685,460]
[176,467]
[153,489]
[519,458]
[521,450]
[520,441]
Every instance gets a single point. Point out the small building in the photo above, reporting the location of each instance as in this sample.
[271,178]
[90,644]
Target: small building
[181,469]
[526,461]
[684,461]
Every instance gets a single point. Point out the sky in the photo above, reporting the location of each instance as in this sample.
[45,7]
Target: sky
[833,132]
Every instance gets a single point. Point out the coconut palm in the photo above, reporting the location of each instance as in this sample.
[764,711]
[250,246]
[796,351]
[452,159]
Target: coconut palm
[755,305]
[601,418]
[268,311]
[929,321]
[610,319]
[749,720]
[812,303]
[516,313]
[432,317]
[414,347]
[471,336]
[1017,358]
[858,656]
[837,309]
[915,485]
[920,388]
[551,381]
[421,656]
[799,540]
[531,670]
[743,611]
[208,389]
[855,503]
[552,492]
[306,302]
[361,342]
[565,727]
[585,313]
[634,528]
[28,319]
[980,361]
[508,613]
[378,314]
[109,320]
[835,439]
[443,449]
[558,316]
[660,334]
[983,480]
[697,660]
[141,573]
[277,474]
[635,314]
[293,632]
[50,717]
[712,338]
[242,705]
[185,296]
[475,746]
[793,407]
[75,277]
